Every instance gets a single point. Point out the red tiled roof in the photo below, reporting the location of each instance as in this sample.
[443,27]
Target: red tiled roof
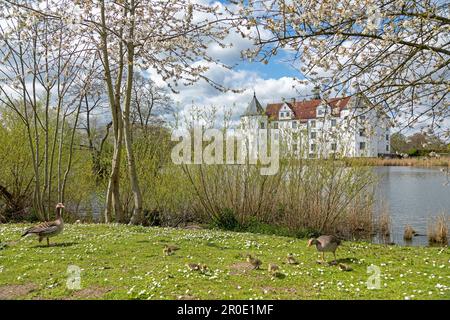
[304,110]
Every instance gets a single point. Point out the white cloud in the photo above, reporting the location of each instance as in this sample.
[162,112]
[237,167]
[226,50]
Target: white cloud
[232,53]
[203,95]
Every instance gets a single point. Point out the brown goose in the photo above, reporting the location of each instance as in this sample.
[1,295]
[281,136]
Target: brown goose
[325,244]
[48,229]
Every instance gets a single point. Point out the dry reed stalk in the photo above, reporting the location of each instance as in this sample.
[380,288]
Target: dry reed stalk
[409,233]
[384,221]
[438,230]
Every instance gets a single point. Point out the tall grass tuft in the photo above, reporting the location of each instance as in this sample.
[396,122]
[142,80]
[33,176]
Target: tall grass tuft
[412,162]
[409,233]
[438,230]
[384,221]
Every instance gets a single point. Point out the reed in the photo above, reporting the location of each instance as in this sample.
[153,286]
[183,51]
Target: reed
[384,221]
[409,233]
[412,162]
[438,230]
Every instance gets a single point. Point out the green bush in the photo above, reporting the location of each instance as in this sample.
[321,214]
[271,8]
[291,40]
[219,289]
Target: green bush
[265,228]
[226,220]
[413,152]
[273,229]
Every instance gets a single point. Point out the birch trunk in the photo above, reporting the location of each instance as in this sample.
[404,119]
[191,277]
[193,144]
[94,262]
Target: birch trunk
[113,191]
[136,217]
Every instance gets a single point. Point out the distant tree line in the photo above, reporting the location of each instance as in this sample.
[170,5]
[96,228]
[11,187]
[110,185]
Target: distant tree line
[418,144]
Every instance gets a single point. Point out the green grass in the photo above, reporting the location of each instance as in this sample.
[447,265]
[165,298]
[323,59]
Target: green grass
[123,262]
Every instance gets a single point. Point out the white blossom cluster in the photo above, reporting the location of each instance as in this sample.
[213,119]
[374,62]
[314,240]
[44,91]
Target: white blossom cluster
[396,52]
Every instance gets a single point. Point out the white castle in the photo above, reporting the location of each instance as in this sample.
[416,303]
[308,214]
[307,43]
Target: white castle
[345,126]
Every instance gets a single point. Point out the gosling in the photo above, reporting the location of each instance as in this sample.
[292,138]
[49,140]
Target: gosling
[194,266]
[345,267]
[255,262]
[167,251]
[172,247]
[290,259]
[203,268]
[273,268]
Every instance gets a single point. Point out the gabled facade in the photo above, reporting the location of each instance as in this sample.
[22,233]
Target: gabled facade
[346,126]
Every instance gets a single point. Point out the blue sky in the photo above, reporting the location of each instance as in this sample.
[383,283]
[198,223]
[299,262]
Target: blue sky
[276,68]
[272,82]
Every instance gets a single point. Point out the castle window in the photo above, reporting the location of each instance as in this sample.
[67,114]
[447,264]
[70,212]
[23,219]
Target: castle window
[387,137]
[294,124]
[275,125]
[313,147]
[262,125]
[333,122]
[362,132]
[313,135]
[313,123]
[362,145]
[333,146]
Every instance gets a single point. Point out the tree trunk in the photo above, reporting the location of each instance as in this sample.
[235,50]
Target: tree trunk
[37,199]
[69,162]
[113,191]
[136,217]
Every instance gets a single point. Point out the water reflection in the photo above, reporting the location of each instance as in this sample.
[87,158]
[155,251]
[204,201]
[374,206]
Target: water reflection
[414,196]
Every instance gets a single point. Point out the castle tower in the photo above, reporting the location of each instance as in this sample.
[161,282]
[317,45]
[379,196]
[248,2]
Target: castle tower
[254,116]
[252,120]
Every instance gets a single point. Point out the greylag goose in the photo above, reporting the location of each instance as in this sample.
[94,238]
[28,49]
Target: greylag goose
[48,229]
[325,244]
[255,262]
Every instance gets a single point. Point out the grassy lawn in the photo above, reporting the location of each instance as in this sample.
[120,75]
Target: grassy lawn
[123,262]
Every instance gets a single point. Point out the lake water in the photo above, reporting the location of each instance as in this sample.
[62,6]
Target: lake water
[414,195]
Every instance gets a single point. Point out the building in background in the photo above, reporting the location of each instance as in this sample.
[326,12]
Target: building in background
[344,127]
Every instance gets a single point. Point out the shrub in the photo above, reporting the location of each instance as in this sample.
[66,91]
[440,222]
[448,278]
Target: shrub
[413,152]
[226,220]
[302,199]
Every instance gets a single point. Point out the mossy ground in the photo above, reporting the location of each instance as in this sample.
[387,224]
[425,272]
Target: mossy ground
[124,262]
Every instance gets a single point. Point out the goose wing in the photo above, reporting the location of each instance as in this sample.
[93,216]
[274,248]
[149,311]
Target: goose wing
[328,239]
[42,228]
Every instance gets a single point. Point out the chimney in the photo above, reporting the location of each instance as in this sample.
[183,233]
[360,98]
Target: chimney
[316,92]
[293,101]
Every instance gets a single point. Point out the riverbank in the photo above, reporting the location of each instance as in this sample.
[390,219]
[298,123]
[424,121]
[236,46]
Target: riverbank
[125,262]
[410,162]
